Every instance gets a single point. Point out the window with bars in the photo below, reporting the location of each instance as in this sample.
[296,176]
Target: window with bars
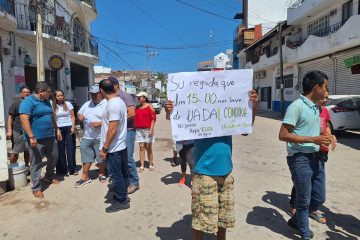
[347,11]
[319,27]
[288,81]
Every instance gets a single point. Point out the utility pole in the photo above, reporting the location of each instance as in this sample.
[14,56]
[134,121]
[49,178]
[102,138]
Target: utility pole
[282,103]
[211,35]
[148,55]
[39,44]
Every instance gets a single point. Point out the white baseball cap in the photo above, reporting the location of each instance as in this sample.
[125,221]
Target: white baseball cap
[142,94]
[94,89]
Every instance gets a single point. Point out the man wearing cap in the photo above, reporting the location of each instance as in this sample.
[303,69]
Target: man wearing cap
[91,114]
[130,135]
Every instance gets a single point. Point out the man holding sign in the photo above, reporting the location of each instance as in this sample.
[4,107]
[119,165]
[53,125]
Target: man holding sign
[210,107]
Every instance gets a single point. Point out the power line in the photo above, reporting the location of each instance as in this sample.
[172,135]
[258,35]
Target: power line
[202,10]
[200,45]
[160,25]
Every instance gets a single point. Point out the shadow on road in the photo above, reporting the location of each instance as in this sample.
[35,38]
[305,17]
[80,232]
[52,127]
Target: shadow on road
[350,139]
[342,226]
[271,219]
[348,224]
[174,177]
[180,230]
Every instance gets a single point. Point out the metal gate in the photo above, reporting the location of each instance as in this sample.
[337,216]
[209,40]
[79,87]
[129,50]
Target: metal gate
[325,65]
[346,82]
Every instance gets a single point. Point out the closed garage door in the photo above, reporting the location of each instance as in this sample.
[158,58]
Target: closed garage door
[324,65]
[346,82]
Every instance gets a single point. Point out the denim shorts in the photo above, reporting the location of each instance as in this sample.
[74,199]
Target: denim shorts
[89,149]
[212,203]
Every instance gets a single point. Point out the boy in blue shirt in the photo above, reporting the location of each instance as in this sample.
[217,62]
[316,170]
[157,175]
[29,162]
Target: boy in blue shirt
[212,203]
[301,132]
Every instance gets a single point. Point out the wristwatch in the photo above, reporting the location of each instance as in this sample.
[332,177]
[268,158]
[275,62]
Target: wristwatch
[104,149]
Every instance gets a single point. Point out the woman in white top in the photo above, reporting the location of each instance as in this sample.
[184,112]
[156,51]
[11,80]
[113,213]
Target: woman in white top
[65,119]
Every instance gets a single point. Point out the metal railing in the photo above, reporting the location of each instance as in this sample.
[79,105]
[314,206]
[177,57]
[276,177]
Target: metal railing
[94,47]
[323,32]
[85,44]
[91,3]
[296,4]
[53,25]
[7,6]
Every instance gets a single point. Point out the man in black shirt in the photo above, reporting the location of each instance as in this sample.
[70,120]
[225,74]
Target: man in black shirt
[15,131]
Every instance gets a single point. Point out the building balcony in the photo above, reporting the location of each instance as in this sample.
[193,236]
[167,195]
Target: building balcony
[264,61]
[56,31]
[7,15]
[88,7]
[301,10]
[335,38]
[85,50]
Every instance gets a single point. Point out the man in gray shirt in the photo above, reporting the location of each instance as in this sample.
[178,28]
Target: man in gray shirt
[130,136]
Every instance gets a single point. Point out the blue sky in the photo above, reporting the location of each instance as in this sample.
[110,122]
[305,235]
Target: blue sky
[163,24]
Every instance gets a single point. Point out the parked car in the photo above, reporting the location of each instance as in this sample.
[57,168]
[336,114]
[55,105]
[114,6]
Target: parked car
[156,105]
[344,112]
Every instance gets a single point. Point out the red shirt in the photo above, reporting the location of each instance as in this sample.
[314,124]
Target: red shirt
[324,119]
[144,117]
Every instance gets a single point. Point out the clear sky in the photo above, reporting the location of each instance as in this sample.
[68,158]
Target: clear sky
[179,30]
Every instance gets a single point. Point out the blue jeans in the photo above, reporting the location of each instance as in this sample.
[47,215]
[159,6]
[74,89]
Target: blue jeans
[117,165]
[308,176]
[133,175]
[66,162]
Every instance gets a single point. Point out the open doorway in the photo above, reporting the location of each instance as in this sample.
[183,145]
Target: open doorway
[51,77]
[79,82]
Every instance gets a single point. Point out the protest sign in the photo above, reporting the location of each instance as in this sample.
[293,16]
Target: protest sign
[210,104]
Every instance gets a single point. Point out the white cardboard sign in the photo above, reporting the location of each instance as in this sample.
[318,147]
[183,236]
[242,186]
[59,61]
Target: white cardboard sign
[210,104]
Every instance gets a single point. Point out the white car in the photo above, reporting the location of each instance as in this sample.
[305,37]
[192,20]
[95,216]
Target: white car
[344,112]
[156,105]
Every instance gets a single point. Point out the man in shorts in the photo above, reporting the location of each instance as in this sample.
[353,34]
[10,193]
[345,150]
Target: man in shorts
[212,203]
[15,131]
[91,114]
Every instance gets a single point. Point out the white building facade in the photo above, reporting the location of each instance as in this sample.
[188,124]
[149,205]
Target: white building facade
[318,35]
[69,50]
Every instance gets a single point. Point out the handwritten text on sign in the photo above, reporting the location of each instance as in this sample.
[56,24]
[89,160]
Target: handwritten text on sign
[210,104]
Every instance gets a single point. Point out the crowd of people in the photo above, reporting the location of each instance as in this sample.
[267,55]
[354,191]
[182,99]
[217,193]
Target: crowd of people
[113,123]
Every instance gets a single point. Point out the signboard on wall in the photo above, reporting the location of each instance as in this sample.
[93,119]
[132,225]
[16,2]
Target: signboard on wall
[19,74]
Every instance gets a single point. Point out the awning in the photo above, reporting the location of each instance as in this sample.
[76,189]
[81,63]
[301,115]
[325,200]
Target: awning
[352,61]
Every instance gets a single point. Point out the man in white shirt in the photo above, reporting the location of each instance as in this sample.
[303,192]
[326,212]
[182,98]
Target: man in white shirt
[113,145]
[91,114]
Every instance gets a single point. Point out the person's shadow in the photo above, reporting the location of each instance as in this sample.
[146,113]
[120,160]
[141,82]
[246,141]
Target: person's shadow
[341,224]
[271,219]
[180,230]
[279,200]
[174,177]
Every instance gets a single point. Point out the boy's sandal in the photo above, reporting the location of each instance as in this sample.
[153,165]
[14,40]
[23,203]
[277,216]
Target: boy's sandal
[291,212]
[141,169]
[318,217]
[102,178]
[151,168]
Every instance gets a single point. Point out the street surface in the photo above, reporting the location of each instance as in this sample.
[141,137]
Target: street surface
[161,209]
